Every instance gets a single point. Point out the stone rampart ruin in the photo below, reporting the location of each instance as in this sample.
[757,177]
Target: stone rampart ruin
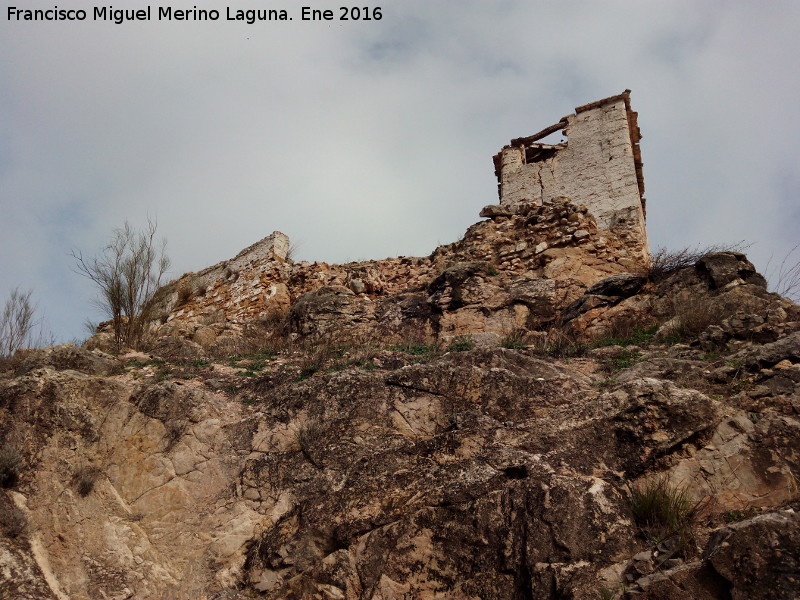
[570,214]
[599,166]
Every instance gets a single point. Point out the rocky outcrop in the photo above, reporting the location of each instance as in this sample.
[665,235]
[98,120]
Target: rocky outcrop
[755,559]
[67,356]
[723,268]
[491,473]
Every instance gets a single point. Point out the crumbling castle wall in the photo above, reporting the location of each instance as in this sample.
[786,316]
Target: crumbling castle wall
[570,213]
[598,166]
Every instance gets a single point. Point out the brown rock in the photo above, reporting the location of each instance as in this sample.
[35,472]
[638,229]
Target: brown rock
[69,356]
[722,268]
[205,336]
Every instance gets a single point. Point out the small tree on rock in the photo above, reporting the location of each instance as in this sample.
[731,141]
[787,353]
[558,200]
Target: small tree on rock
[17,322]
[127,272]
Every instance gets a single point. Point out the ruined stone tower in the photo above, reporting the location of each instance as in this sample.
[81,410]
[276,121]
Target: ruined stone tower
[599,165]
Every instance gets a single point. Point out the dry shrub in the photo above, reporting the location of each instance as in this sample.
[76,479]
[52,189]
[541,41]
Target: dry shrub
[17,321]
[336,349]
[627,327]
[694,313]
[184,293]
[784,278]
[10,463]
[558,343]
[84,480]
[291,252]
[407,334]
[128,273]
[665,262]
[267,336]
[309,436]
[272,333]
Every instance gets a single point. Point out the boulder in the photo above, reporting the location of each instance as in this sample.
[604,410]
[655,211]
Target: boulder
[205,336]
[755,559]
[623,285]
[766,355]
[493,211]
[723,268]
[68,356]
[586,303]
[329,309]
[759,557]
[464,284]
[177,349]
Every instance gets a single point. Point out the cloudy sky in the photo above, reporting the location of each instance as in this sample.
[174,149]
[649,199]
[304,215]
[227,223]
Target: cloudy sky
[374,138]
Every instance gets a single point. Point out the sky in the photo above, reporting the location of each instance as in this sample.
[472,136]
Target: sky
[364,139]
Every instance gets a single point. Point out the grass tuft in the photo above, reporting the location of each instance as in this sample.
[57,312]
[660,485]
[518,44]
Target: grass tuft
[514,340]
[461,345]
[84,480]
[663,510]
[559,344]
[309,436]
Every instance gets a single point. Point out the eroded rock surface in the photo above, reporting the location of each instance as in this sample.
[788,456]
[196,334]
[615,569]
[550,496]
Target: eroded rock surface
[490,473]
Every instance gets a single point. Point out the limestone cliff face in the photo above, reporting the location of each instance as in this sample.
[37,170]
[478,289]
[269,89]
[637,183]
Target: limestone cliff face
[410,472]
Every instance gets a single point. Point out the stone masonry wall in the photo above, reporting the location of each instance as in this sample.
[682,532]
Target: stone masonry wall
[570,214]
[598,166]
[506,273]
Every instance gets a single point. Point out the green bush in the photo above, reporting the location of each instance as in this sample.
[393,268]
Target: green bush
[732,516]
[637,336]
[421,351]
[514,340]
[461,345]
[623,360]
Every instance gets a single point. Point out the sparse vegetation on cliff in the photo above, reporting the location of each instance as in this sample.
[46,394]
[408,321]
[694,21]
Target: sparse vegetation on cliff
[10,462]
[127,273]
[17,322]
[664,510]
[666,261]
[784,277]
